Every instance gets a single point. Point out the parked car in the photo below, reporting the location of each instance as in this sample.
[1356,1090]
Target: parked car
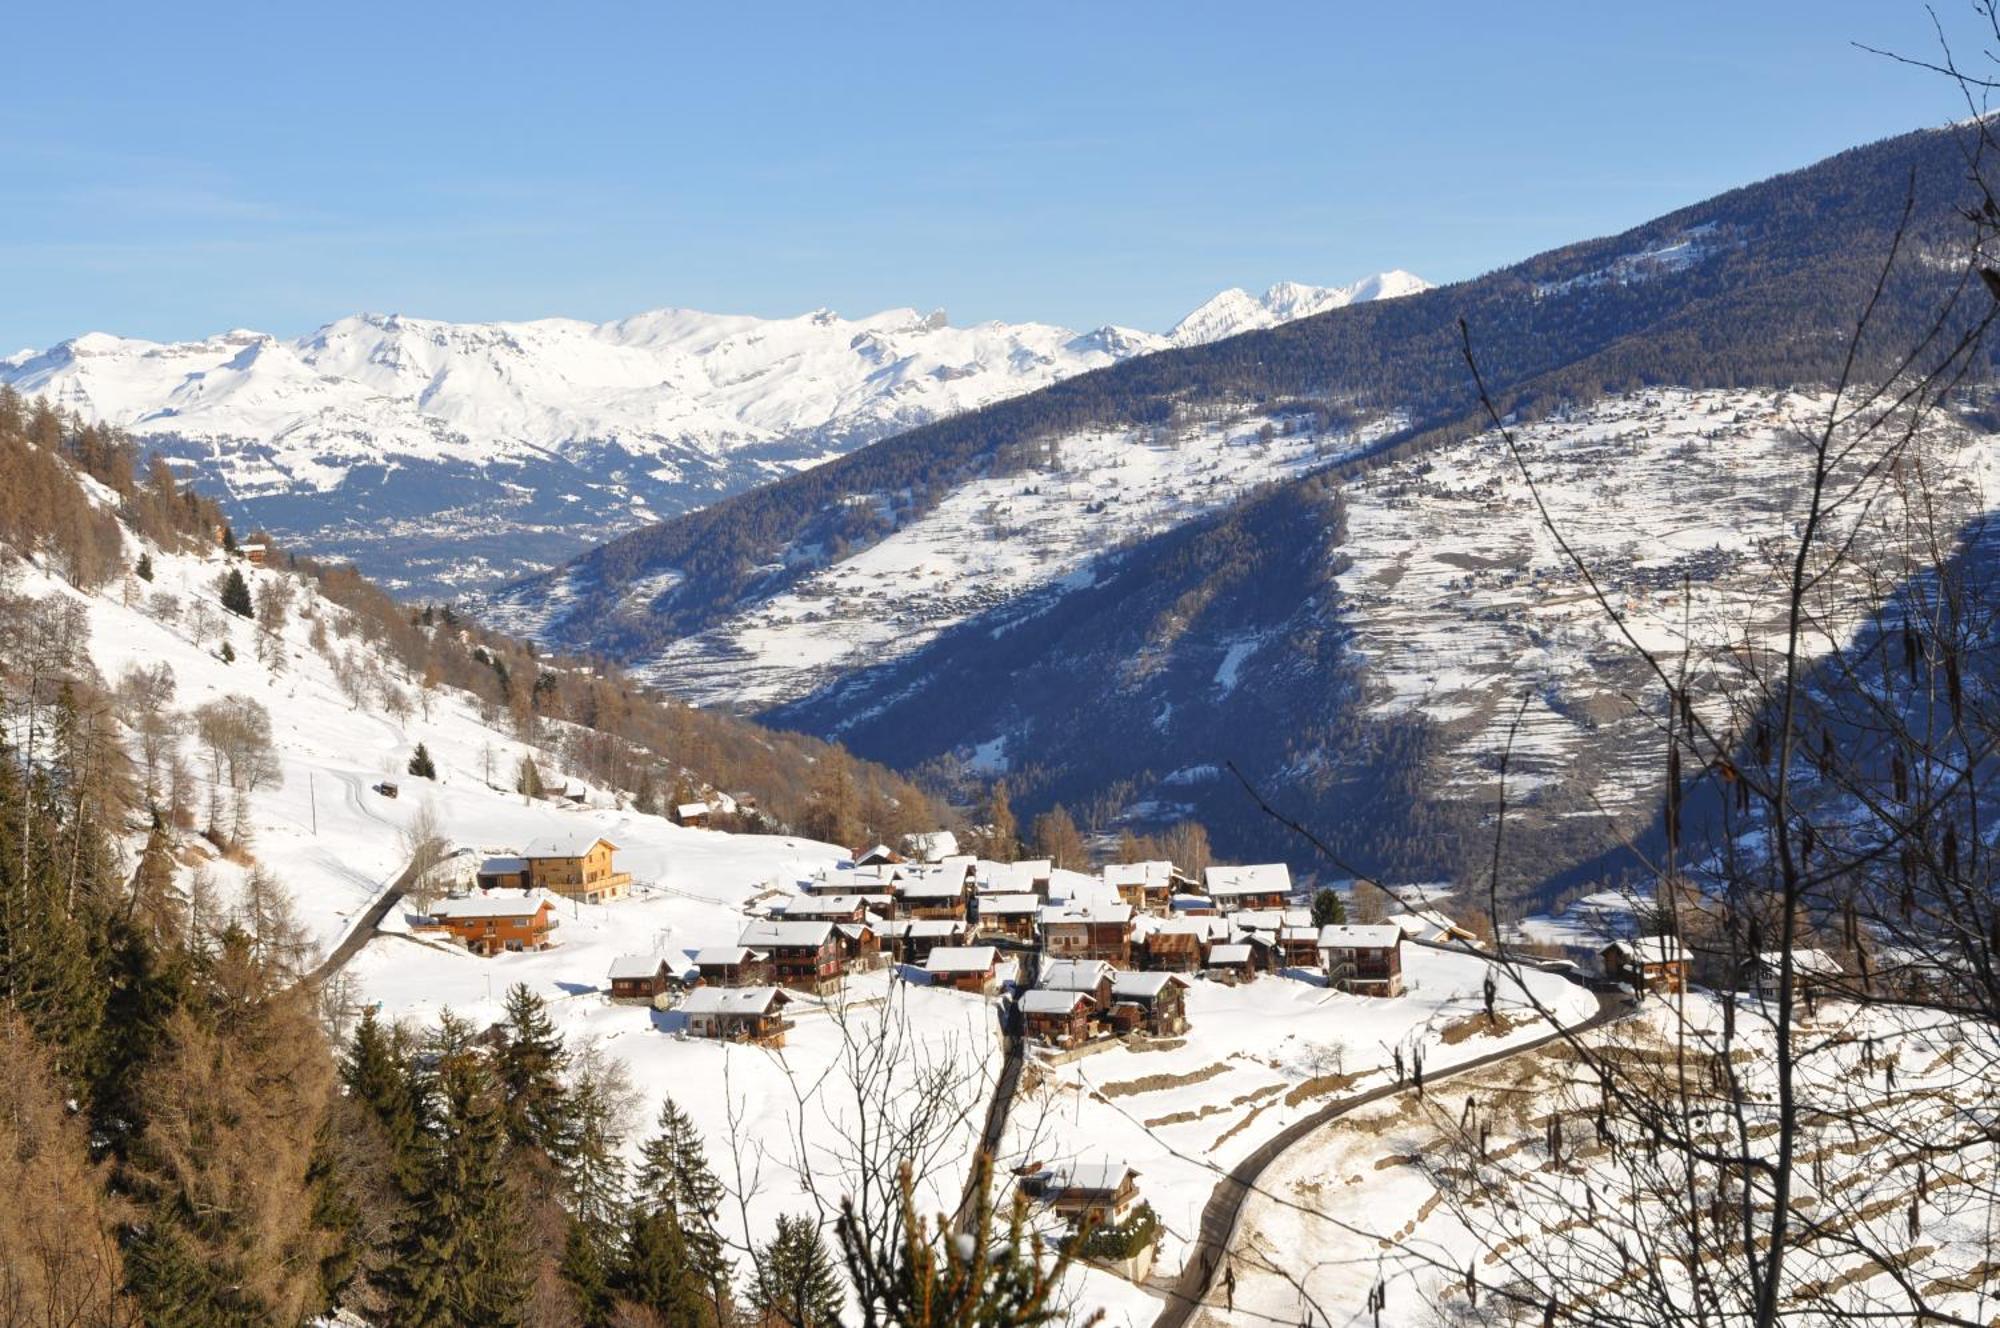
[386,789]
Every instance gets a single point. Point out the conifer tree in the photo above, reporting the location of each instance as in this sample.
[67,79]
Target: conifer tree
[657,1274]
[674,1177]
[421,765]
[796,1284]
[144,569]
[1328,910]
[530,1067]
[236,594]
[528,781]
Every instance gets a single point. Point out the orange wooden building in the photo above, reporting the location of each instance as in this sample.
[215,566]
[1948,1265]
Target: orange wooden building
[497,923]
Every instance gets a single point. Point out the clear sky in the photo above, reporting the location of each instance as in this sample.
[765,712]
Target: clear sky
[171,170]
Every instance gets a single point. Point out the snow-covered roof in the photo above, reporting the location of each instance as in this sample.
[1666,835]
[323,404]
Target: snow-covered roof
[1249,879]
[961,959]
[1145,986]
[1055,914]
[636,966]
[1360,936]
[1092,1177]
[1229,954]
[720,955]
[1016,877]
[1154,875]
[880,853]
[1813,962]
[1009,905]
[786,933]
[931,887]
[932,927]
[733,1000]
[1074,974]
[1653,949]
[688,809]
[501,904]
[503,866]
[1042,1000]
[568,844]
[808,906]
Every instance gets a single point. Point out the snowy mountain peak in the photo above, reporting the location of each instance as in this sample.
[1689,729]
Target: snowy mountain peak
[1236,310]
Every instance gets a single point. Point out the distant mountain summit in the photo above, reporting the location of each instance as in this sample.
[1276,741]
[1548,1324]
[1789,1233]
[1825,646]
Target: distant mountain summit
[486,449]
[1236,310]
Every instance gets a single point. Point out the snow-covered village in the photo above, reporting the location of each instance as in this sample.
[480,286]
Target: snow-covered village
[558,772]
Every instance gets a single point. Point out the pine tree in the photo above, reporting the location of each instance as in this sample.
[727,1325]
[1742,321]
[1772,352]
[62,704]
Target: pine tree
[228,540]
[228,653]
[529,1067]
[528,780]
[1328,910]
[421,765]
[236,594]
[796,1283]
[674,1177]
[656,1273]
[144,569]
[588,1276]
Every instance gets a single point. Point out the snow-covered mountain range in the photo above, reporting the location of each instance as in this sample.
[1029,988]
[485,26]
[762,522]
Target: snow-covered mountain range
[480,450]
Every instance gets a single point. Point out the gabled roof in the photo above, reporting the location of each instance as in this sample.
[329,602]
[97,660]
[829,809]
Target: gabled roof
[786,933]
[1651,949]
[568,844]
[1814,963]
[823,906]
[932,845]
[1009,905]
[687,809]
[1043,1001]
[1089,1177]
[1360,936]
[1057,914]
[931,887]
[1145,986]
[1074,974]
[733,1000]
[499,904]
[719,955]
[1229,954]
[929,928]
[636,966]
[1249,879]
[504,866]
[1015,877]
[1154,875]
[962,959]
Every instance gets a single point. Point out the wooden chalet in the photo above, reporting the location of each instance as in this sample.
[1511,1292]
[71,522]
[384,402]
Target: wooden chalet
[881,855]
[805,956]
[1365,959]
[1234,961]
[1298,946]
[1088,931]
[694,815]
[1030,877]
[1059,1018]
[911,940]
[577,866]
[1812,971]
[835,908]
[496,923]
[1171,945]
[732,966]
[931,896]
[860,946]
[1648,963]
[971,968]
[640,977]
[1154,1003]
[1099,1193]
[1258,885]
[1012,916]
[1093,977]
[256,552]
[856,881]
[1148,886]
[737,1014]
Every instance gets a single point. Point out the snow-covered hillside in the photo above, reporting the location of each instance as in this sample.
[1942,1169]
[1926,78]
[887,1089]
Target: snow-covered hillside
[990,541]
[454,438]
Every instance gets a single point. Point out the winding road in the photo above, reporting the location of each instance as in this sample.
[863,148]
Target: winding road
[365,927]
[1219,1217]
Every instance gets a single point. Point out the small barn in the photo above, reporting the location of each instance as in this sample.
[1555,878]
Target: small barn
[1100,1193]
[971,968]
[503,873]
[1234,962]
[694,815]
[1153,1003]
[732,966]
[1648,963]
[738,1014]
[1059,1018]
[640,977]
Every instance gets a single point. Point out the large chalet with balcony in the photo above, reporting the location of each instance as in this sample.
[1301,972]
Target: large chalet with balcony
[1365,958]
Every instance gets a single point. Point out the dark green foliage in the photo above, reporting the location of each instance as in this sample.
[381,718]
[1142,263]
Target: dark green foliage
[1114,1244]
[529,1066]
[589,1277]
[658,1274]
[144,568]
[236,594]
[674,1177]
[1328,910]
[796,1282]
[227,653]
[421,764]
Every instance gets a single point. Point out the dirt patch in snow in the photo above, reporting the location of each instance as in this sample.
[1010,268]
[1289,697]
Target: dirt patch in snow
[1157,1083]
[1478,1025]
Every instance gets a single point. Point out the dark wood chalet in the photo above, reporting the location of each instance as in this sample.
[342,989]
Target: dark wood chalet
[641,977]
[805,956]
[1365,959]
[733,966]
[737,1014]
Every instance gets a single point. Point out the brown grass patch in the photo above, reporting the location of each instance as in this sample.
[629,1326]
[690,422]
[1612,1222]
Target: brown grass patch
[1155,1083]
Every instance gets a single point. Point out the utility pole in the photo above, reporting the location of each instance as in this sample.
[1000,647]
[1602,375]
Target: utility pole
[313,798]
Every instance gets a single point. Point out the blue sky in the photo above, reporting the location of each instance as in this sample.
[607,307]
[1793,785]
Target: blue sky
[170,171]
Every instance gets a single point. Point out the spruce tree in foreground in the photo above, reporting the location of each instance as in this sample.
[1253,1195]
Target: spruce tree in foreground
[236,594]
[796,1284]
[675,1178]
[530,1067]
